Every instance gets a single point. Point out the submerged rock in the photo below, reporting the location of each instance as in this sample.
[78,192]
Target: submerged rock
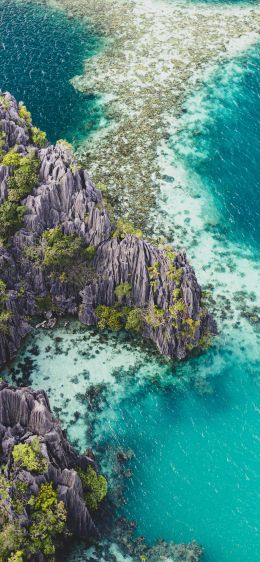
[149,288]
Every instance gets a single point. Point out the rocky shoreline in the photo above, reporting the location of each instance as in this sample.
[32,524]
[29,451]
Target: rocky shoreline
[29,435]
[65,257]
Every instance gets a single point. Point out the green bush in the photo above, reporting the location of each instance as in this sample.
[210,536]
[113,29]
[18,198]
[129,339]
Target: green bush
[123,290]
[175,275]
[24,114]
[4,500]
[11,537]
[61,249]
[5,316]
[134,320]
[48,520]
[191,325]
[11,219]
[3,292]
[90,252]
[24,178]
[22,538]
[109,317]
[29,456]
[11,158]
[45,304]
[124,228]
[154,316]
[118,317]
[94,487]
[39,137]
[177,308]
[169,253]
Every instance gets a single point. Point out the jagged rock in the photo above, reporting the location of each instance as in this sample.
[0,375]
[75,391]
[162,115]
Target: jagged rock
[66,196]
[25,414]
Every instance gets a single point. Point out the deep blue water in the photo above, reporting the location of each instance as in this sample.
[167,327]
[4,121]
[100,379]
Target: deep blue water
[40,51]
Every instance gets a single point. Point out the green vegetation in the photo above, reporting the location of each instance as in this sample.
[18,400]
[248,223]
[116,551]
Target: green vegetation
[175,274]
[46,519]
[123,290]
[154,274]
[191,325]
[24,178]
[3,292]
[11,537]
[177,308]
[124,228]
[65,256]
[134,320]
[45,303]
[94,487]
[39,137]
[25,114]
[5,315]
[90,252]
[118,317]
[11,219]
[169,253]
[29,456]
[11,158]
[110,317]
[154,316]
[60,249]
[20,184]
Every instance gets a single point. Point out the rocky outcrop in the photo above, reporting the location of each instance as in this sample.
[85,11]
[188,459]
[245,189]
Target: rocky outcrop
[163,286]
[26,414]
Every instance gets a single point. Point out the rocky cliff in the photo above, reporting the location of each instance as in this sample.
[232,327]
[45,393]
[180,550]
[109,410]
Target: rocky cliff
[26,419]
[148,288]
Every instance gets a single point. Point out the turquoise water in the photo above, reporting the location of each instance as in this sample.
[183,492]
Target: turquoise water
[193,427]
[224,146]
[41,50]
[195,472]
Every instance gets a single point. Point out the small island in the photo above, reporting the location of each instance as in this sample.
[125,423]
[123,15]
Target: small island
[62,252]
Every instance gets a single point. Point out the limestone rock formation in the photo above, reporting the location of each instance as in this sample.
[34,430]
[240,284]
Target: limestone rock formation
[24,415]
[162,285]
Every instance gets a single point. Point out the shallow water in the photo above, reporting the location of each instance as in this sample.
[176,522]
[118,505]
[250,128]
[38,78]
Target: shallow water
[219,143]
[41,50]
[193,427]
